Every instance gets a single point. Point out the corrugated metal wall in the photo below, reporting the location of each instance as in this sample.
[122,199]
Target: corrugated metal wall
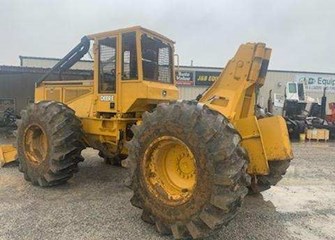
[276,80]
[50,62]
[190,92]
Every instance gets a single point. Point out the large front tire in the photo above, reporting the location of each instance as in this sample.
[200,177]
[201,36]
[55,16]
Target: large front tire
[188,170]
[50,141]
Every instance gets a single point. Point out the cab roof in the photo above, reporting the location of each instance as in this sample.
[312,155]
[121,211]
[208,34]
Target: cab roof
[129,29]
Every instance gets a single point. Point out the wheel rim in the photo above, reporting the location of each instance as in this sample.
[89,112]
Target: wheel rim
[170,170]
[35,144]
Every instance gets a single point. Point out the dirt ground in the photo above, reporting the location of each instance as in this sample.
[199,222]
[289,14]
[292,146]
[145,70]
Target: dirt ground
[95,204]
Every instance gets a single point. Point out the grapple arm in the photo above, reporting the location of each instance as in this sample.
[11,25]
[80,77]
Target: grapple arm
[234,96]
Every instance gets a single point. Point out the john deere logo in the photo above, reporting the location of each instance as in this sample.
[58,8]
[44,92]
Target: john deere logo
[105,98]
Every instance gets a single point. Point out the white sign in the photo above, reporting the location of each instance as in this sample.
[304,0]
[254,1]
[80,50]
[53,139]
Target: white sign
[184,78]
[317,82]
[105,98]
[278,100]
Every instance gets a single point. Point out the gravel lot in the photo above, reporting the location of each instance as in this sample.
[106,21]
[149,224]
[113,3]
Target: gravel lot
[95,204]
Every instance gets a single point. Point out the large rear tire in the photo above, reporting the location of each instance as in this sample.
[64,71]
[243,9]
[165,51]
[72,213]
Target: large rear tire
[264,182]
[50,141]
[188,169]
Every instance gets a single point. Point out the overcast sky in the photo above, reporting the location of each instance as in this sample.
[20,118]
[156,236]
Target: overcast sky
[301,33]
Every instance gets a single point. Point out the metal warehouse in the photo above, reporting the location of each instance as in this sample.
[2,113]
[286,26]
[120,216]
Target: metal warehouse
[194,80]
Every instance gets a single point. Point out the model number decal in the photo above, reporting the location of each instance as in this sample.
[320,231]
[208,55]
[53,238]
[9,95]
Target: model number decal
[107,98]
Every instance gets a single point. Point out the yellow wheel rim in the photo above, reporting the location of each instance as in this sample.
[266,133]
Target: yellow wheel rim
[169,170]
[35,144]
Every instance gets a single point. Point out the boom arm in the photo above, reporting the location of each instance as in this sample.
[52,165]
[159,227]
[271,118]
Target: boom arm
[234,93]
[69,60]
[234,96]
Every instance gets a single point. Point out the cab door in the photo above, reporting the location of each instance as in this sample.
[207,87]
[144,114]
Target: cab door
[107,73]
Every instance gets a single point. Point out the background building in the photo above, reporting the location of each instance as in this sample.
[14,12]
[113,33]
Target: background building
[194,80]
[17,83]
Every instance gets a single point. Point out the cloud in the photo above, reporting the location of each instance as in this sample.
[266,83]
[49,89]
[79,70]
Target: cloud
[207,32]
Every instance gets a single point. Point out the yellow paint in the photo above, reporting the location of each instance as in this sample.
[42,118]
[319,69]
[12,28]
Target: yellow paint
[8,154]
[275,138]
[35,144]
[170,171]
[234,96]
[265,140]
[104,119]
[254,144]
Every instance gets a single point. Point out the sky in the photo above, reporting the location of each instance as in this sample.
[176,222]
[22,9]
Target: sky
[301,33]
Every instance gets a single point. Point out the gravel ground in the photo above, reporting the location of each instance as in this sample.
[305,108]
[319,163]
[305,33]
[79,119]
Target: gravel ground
[95,204]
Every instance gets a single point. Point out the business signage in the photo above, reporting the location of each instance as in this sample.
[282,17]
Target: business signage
[317,82]
[184,78]
[205,78]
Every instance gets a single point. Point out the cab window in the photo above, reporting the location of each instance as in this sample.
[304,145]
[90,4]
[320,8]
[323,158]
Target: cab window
[292,88]
[129,56]
[107,65]
[156,60]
